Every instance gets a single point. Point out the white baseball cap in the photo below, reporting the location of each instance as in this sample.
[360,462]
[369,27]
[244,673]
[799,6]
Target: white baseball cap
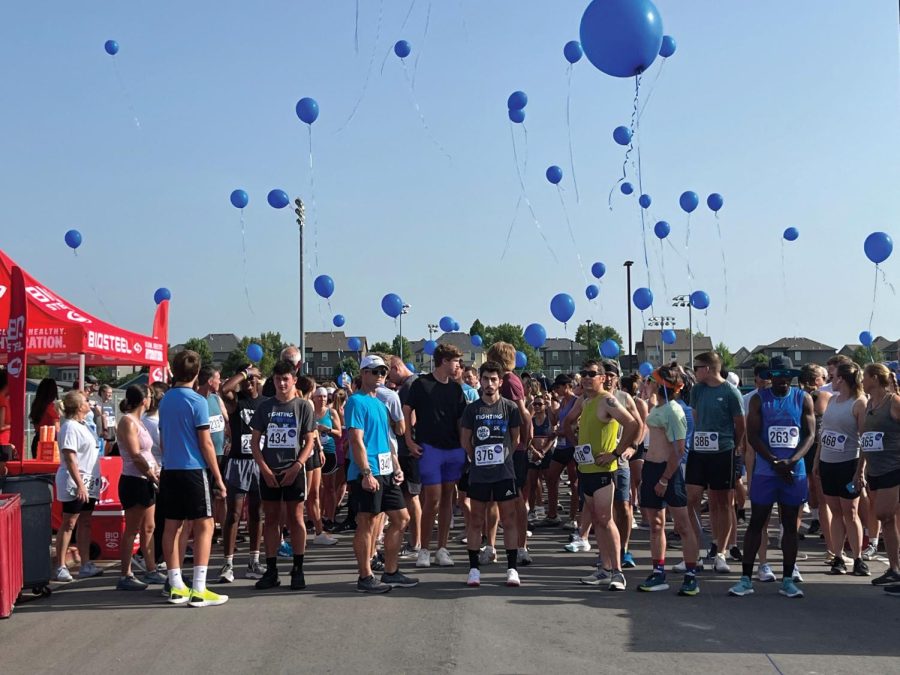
[371,361]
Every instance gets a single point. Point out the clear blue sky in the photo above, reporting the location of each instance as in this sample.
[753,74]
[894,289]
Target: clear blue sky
[788,109]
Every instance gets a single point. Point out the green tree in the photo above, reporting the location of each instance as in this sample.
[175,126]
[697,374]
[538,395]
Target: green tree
[346,365]
[477,328]
[759,359]
[382,347]
[726,356]
[514,335]
[863,356]
[599,334]
[103,375]
[194,344]
[395,348]
[38,372]
[272,345]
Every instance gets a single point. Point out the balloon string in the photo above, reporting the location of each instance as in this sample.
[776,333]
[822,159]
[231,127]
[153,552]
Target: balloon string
[652,87]
[569,130]
[636,141]
[874,298]
[312,194]
[244,261]
[511,224]
[422,48]
[525,162]
[368,69]
[644,237]
[356,29]
[412,94]
[676,251]
[633,128]
[525,194]
[662,268]
[724,264]
[126,94]
[462,16]
[572,234]
[408,12]
[687,253]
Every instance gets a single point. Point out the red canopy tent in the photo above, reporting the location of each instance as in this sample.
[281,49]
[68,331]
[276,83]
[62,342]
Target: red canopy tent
[39,327]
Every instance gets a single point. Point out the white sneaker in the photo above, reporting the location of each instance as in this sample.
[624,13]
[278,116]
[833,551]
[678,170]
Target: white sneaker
[488,555]
[577,545]
[681,567]
[765,573]
[595,578]
[797,577]
[62,574]
[89,570]
[512,578]
[324,539]
[870,553]
[721,564]
[443,559]
[424,558]
[474,579]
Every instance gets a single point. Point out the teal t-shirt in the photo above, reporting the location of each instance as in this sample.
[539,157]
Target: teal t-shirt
[371,415]
[670,418]
[714,411]
[216,423]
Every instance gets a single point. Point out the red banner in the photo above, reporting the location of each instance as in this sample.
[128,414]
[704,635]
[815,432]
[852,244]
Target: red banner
[16,350]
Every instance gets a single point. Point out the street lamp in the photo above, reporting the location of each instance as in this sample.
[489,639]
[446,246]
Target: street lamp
[627,265]
[685,301]
[403,310]
[661,322]
[432,329]
[300,210]
[588,322]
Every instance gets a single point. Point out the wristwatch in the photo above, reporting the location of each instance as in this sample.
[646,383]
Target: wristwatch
[365,473]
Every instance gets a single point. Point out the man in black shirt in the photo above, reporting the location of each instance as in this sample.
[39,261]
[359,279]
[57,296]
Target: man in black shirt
[402,378]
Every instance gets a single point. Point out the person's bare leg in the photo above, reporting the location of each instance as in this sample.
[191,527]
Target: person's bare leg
[85,521]
[695,496]
[491,524]
[852,525]
[314,484]
[509,515]
[64,536]
[365,526]
[445,514]
[553,476]
[720,515]
[414,509]
[397,522]
[430,498]
[147,531]
[133,519]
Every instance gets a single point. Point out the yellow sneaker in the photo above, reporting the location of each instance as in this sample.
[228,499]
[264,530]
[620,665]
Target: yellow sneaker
[206,598]
[179,596]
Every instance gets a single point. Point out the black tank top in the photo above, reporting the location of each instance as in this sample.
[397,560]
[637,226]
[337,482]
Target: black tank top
[239,423]
[542,429]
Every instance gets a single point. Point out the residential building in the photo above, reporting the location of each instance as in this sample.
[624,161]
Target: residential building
[799,350]
[68,374]
[220,346]
[471,355]
[651,348]
[324,350]
[562,355]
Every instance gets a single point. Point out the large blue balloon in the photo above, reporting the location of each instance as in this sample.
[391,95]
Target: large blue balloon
[689,201]
[446,323]
[254,352]
[573,51]
[354,344]
[477,341]
[517,100]
[645,369]
[627,188]
[517,116]
[622,135]
[866,338]
[239,199]
[111,47]
[338,320]
[592,291]
[324,285]
[621,37]
[878,247]
[610,349]
[392,305]
[429,347]
[278,199]
[699,300]
[535,335]
[668,336]
[73,239]
[668,46]
[162,294]
[402,48]
[562,307]
[791,234]
[643,298]
[598,269]
[521,360]
[662,229]
[554,174]
[715,201]
[307,110]
[645,201]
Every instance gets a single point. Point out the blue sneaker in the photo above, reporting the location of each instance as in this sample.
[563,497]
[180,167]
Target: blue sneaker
[742,588]
[628,560]
[285,550]
[689,587]
[655,582]
[789,588]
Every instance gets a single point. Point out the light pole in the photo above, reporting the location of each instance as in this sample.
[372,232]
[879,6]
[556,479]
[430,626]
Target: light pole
[432,329]
[588,322]
[685,301]
[662,322]
[300,210]
[403,310]
[628,264]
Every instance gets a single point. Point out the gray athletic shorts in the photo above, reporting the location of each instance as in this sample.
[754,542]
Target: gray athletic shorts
[242,475]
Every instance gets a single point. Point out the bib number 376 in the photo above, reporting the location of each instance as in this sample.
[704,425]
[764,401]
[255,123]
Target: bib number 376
[489,455]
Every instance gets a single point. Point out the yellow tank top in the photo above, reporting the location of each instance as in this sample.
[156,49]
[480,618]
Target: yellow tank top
[601,435]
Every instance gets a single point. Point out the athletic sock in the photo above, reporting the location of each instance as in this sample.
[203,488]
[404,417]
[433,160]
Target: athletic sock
[473,559]
[512,558]
[874,542]
[690,567]
[298,561]
[660,566]
[175,580]
[254,556]
[199,582]
[272,564]
[229,560]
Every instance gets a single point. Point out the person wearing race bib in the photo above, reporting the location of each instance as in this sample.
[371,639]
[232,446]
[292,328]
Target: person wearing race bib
[838,467]
[374,477]
[150,420]
[208,382]
[718,428]
[562,458]
[811,380]
[781,427]
[306,387]
[880,444]
[627,483]
[77,486]
[490,434]
[241,394]
[107,420]
[402,378]
[283,438]
[328,426]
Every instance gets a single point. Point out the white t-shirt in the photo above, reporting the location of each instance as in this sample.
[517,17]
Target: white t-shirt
[152,424]
[746,399]
[391,400]
[76,436]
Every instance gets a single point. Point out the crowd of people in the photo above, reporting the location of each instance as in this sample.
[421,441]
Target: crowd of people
[406,454]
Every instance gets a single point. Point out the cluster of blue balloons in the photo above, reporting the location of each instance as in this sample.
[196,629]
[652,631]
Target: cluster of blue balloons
[562,307]
[392,305]
[277,198]
[642,298]
[254,352]
[307,110]
[448,324]
[516,104]
[402,48]
[324,286]
[161,295]
[535,335]
[554,174]
[878,247]
[73,239]
[354,344]
[622,38]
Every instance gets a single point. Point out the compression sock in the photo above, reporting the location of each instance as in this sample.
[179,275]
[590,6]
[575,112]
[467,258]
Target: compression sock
[512,558]
[473,559]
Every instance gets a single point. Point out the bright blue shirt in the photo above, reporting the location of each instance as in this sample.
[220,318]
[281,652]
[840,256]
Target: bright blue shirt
[470,392]
[781,429]
[181,412]
[369,414]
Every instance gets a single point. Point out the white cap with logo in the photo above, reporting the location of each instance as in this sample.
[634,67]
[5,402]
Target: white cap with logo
[371,361]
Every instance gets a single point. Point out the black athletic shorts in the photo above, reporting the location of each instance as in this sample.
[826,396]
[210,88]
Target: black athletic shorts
[388,496]
[136,491]
[330,465]
[520,464]
[640,453]
[499,491]
[563,455]
[463,483]
[76,506]
[6,453]
[412,480]
[186,494]
[589,483]
[676,495]
[711,470]
[541,465]
[836,475]
[314,461]
[888,480]
[295,492]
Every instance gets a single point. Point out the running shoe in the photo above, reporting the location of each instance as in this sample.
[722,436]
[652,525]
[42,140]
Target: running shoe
[285,550]
[893,590]
[298,581]
[577,545]
[129,583]
[655,582]
[860,569]
[512,579]
[206,598]
[372,585]
[324,539]
[796,577]
[377,562]
[424,558]
[628,560]
[89,570]
[814,526]
[741,588]
[399,580]
[889,577]
[443,559]
[269,580]
[711,553]
[765,573]
[254,571]
[555,521]
[523,557]
[408,553]
[156,577]
[179,596]
[595,578]
[681,567]
[721,565]
[789,589]
[869,553]
[838,566]
[734,554]
[474,579]
[138,563]
[689,586]
[617,581]
[62,575]
[570,525]
[226,574]
[487,555]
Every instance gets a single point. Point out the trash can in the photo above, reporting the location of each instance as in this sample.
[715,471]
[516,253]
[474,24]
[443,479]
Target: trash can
[10,552]
[37,496]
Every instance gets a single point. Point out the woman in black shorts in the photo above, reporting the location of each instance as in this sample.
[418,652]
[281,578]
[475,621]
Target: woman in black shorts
[540,452]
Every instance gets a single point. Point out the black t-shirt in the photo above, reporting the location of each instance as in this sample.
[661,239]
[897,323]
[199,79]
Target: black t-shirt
[403,393]
[239,423]
[438,408]
[490,425]
[283,433]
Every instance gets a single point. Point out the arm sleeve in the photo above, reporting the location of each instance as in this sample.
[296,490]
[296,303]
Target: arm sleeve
[695,390]
[392,401]
[676,426]
[201,413]
[68,439]
[308,421]
[515,417]
[415,392]
[354,415]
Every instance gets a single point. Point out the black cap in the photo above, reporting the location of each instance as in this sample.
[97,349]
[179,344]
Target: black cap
[562,380]
[90,379]
[781,366]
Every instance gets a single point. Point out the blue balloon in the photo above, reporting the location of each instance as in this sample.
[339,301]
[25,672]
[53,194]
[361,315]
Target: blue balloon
[598,269]
[627,188]
[278,199]
[621,37]
[338,320]
[643,298]
[254,352]
[111,47]
[715,201]
[429,347]
[477,341]
[878,247]
[162,294]
[554,174]
[307,110]
[610,349]
[592,291]
[517,100]
[402,48]
[662,229]
[455,325]
[411,366]
[392,305]
[645,369]
[354,344]
[324,285]
[866,338]
[644,200]
[791,234]
[446,323]
[535,335]
[517,116]
[689,201]
[73,239]
[573,51]
[668,46]
[699,299]
[622,135]
[562,307]
[521,360]
[668,336]
[239,199]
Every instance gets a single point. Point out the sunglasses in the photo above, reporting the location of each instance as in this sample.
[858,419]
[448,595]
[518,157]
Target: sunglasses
[698,367]
[378,372]
[538,404]
[590,373]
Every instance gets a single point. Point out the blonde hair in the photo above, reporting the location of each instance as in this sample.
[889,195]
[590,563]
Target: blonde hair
[72,402]
[882,375]
[504,354]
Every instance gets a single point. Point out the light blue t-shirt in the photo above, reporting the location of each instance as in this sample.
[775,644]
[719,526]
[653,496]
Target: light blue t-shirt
[470,392]
[181,412]
[714,411]
[369,414]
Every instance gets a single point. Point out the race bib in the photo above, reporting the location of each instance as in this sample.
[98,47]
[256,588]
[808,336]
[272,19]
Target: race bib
[489,455]
[583,454]
[784,437]
[91,484]
[706,441]
[872,441]
[833,440]
[216,423]
[245,444]
[281,437]
[385,464]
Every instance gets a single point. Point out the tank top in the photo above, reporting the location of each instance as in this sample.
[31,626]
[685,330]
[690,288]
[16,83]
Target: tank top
[145,446]
[781,429]
[328,445]
[600,435]
[216,423]
[239,422]
[839,438]
[542,429]
[564,410]
[881,441]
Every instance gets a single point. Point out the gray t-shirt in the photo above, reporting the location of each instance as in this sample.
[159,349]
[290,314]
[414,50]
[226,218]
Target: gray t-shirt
[490,425]
[714,411]
[282,432]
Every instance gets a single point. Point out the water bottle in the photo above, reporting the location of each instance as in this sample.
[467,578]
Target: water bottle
[851,487]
